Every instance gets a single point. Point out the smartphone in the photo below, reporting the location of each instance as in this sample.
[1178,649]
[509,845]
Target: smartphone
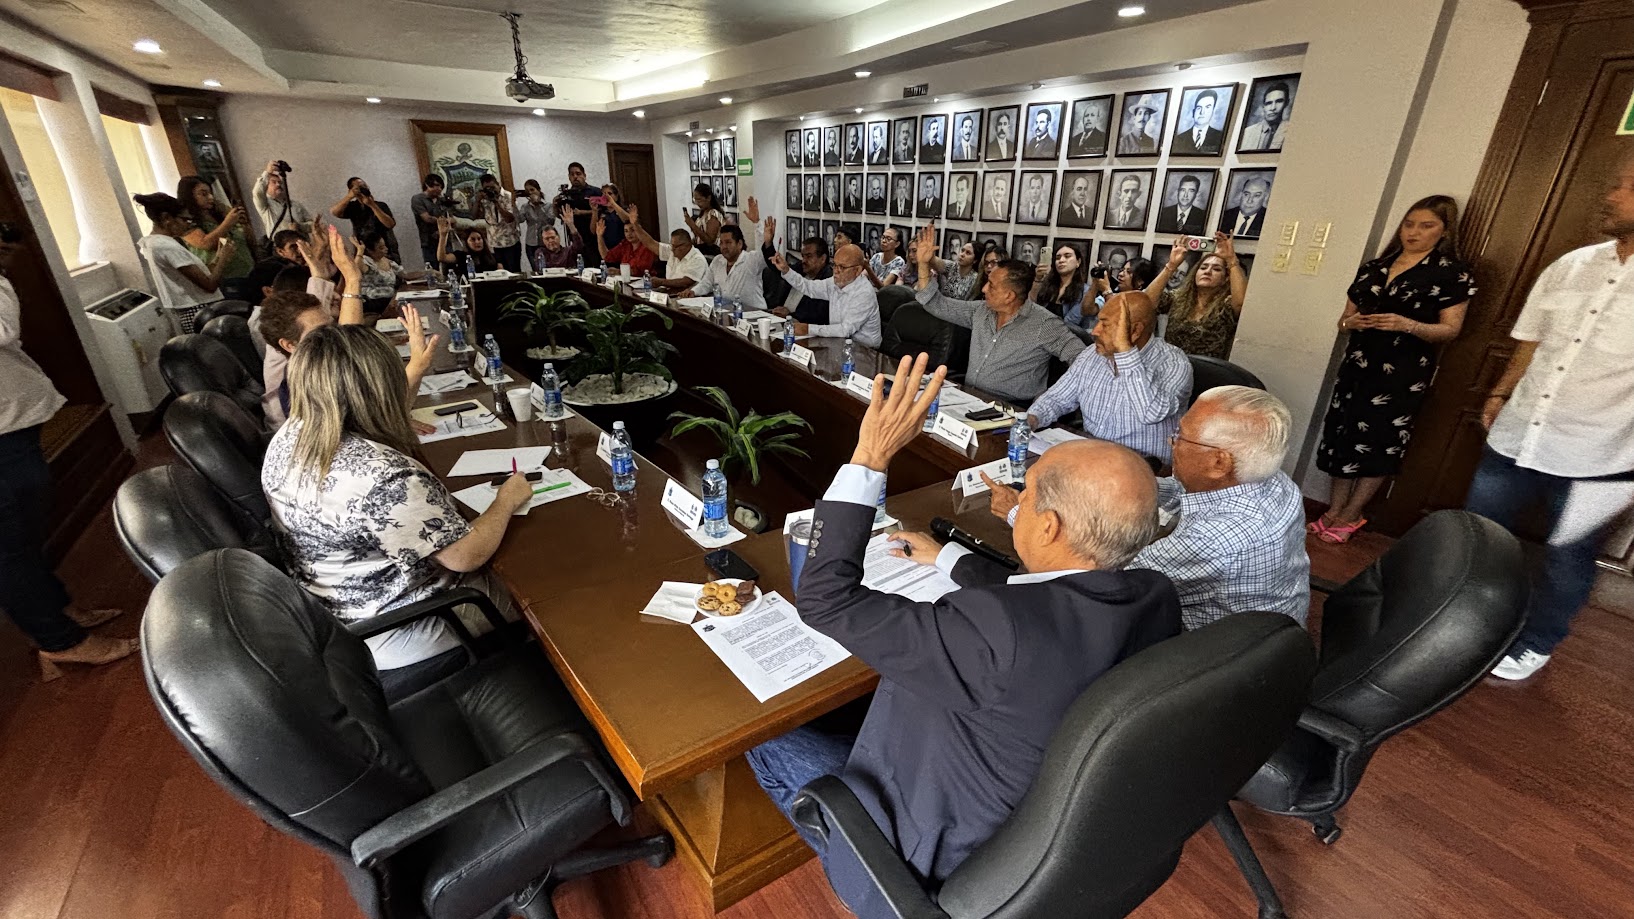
[728,564]
[598,200]
[536,475]
[987,414]
[457,407]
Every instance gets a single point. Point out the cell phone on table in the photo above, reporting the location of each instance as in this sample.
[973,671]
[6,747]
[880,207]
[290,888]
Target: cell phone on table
[536,475]
[456,408]
[987,414]
[728,564]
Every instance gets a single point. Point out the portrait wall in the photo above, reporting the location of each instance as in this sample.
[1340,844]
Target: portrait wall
[1204,120]
[1184,204]
[1087,136]
[1268,113]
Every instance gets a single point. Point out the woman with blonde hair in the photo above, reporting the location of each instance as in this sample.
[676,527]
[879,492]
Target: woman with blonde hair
[1203,313]
[365,527]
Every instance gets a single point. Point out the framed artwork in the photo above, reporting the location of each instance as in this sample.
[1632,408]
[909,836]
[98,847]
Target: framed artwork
[715,154]
[1247,195]
[903,149]
[791,232]
[997,193]
[853,145]
[902,194]
[1188,196]
[1204,120]
[831,145]
[830,227]
[812,158]
[852,202]
[729,196]
[831,193]
[1088,134]
[791,200]
[810,227]
[932,140]
[1028,248]
[967,137]
[718,184]
[1043,131]
[1140,130]
[1037,204]
[1080,193]
[1128,195]
[874,202]
[952,242]
[729,218]
[879,143]
[928,203]
[961,197]
[696,181]
[729,154]
[871,233]
[1270,109]
[813,198]
[1159,254]
[791,149]
[1114,255]
[1001,133]
[851,230]
[999,241]
[692,157]
[461,152]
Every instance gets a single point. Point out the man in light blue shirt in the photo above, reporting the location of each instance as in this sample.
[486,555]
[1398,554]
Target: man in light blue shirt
[853,307]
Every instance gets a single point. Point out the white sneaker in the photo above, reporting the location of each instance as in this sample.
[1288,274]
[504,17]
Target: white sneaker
[1519,668]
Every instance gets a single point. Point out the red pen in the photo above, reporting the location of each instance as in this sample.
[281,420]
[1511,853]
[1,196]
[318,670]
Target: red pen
[513,465]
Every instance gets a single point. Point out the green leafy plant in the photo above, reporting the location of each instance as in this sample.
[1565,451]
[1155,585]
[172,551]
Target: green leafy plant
[545,312]
[744,438]
[611,348]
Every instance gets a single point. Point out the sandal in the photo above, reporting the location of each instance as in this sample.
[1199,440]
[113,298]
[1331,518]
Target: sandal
[1342,532]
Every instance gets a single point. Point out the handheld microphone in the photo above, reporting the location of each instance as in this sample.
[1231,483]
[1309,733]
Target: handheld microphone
[945,530]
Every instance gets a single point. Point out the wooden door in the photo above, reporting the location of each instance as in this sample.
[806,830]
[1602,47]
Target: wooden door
[1537,197]
[631,168]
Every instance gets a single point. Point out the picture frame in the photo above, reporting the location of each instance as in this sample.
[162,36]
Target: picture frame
[831,145]
[871,233]
[851,199]
[1028,248]
[791,148]
[830,227]
[729,218]
[791,233]
[1141,121]
[928,195]
[1213,106]
[1128,209]
[461,152]
[1081,245]
[875,193]
[831,193]
[902,189]
[718,184]
[812,157]
[1159,254]
[1000,240]
[1255,184]
[1076,208]
[879,143]
[1035,204]
[715,155]
[729,154]
[692,157]
[809,227]
[998,194]
[791,193]
[1256,134]
[1088,134]
[1114,254]
[963,195]
[932,140]
[965,142]
[904,141]
[1042,140]
[854,146]
[729,197]
[905,234]
[1186,202]
[696,181]
[812,200]
[1000,145]
[852,230]
[952,241]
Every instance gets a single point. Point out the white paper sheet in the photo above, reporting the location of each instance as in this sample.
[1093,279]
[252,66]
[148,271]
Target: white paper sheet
[675,600]
[1049,437]
[769,650]
[436,383]
[419,295]
[494,462]
[884,572]
[697,303]
[466,424]
[556,485]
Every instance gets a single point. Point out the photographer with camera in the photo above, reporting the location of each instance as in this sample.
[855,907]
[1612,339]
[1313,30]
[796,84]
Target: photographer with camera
[430,204]
[494,206]
[573,204]
[273,204]
[534,213]
[368,216]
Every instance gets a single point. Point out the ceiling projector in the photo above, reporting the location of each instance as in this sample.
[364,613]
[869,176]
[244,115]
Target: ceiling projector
[524,88]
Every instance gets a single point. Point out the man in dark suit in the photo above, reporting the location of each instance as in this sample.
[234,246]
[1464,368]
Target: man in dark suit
[973,685]
[961,204]
[1076,207]
[853,194]
[965,148]
[1090,138]
[1123,210]
[1184,216]
[933,147]
[784,300]
[876,195]
[1248,217]
[1201,138]
[1041,143]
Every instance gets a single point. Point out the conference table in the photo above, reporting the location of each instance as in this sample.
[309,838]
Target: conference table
[673,717]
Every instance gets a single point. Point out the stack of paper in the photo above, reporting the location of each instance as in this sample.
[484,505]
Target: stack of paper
[885,572]
[1049,437]
[478,420]
[436,383]
[412,295]
[769,649]
[556,485]
[494,462]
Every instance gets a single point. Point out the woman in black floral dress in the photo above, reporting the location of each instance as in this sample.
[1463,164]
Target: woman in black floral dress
[1401,307]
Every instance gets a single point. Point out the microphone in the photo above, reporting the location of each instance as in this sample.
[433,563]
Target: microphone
[945,530]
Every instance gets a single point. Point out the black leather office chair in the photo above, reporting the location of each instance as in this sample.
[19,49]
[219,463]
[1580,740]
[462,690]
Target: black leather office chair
[1209,372]
[468,799]
[198,363]
[912,330]
[234,332]
[224,445]
[1400,641]
[892,297]
[209,311]
[1148,754]
[169,514]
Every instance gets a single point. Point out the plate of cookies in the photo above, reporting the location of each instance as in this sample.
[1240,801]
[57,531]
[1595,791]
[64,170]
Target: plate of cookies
[727,597]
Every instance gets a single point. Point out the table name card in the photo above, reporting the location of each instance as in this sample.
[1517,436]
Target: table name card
[957,431]
[970,480]
[861,385]
[801,355]
[687,507]
[604,448]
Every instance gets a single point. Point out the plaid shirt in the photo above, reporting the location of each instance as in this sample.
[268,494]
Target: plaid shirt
[1234,550]
[1135,399]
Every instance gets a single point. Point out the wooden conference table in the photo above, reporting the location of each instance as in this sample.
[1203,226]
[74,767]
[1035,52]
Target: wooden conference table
[674,718]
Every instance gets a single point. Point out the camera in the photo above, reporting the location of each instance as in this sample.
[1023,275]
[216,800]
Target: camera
[282,167]
[1099,271]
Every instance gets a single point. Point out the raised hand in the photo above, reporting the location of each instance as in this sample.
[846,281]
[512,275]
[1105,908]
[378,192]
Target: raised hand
[1225,247]
[769,236]
[421,349]
[778,261]
[752,210]
[924,244]
[1177,252]
[893,421]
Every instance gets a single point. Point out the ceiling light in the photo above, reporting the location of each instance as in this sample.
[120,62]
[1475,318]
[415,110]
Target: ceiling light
[859,74]
[734,127]
[1130,12]
[689,133]
[213,83]
[802,118]
[726,100]
[936,99]
[1182,66]
[710,130]
[640,113]
[858,110]
[148,46]
[539,111]
[1037,85]
[373,100]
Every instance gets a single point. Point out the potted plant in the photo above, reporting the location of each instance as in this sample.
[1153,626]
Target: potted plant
[745,440]
[546,313]
[620,374]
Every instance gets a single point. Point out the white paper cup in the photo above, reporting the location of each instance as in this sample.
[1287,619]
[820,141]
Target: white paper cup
[765,327]
[521,399]
[624,271]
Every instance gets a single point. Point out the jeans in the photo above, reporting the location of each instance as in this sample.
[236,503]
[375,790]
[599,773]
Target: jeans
[29,590]
[784,765]
[1502,491]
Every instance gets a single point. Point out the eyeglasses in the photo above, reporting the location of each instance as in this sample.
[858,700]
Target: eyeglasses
[1176,438]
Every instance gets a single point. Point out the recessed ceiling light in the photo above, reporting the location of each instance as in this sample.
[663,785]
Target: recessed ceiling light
[689,133]
[710,130]
[802,118]
[734,127]
[213,84]
[640,113]
[148,46]
[373,100]
[726,100]
[1130,12]
[859,74]
[539,111]
[1183,66]
[936,99]
[858,110]
[1037,85]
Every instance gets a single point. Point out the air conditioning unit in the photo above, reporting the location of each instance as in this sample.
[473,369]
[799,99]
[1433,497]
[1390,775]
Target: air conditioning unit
[129,331]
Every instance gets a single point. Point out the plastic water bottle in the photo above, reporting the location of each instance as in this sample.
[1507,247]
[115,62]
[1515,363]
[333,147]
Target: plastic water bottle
[879,509]
[623,459]
[930,416]
[552,385]
[496,363]
[578,265]
[539,262]
[848,360]
[788,334]
[646,282]
[715,525]
[1021,437]
[737,311]
[456,323]
[720,304]
[470,268]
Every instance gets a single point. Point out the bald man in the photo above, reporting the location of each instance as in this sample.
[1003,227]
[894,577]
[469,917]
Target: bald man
[973,685]
[1131,388]
[853,310]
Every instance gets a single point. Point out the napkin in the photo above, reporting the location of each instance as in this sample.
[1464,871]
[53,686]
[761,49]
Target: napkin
[674,601]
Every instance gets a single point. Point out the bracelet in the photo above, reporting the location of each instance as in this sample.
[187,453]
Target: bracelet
[351,296]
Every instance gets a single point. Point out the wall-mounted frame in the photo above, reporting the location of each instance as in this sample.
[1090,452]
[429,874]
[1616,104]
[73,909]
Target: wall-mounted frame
[461,151]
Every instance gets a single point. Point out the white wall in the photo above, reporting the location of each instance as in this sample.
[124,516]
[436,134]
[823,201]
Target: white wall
[328,142]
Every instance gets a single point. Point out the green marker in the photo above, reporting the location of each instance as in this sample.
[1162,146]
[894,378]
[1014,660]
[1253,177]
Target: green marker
[540,491]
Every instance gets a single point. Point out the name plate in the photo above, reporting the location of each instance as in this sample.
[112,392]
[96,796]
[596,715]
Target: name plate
[604,447]
[970,480]
[687,507]
[861,385]
[742,327]
[957,431]
[801,355]
[536,395]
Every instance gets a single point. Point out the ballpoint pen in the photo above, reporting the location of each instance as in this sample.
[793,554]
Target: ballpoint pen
[540,491]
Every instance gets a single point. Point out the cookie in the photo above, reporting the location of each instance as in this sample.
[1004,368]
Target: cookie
[720,591]
[731,607]
[709,603]
[745,592]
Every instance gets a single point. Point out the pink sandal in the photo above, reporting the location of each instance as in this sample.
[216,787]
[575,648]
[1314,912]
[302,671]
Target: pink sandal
[1342,533]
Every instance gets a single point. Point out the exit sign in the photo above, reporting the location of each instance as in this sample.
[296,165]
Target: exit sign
[910,92]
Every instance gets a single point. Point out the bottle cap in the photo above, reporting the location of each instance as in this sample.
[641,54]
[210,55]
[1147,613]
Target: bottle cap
[618,425]
[713,464]
[549,366]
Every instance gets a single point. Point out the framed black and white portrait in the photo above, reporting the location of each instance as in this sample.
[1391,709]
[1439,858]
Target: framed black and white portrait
[830,227]
[791,233]
[1080,193]
[952,242]
[1140,130]
[903,142]
[1115,255]
[852,202]
[692,157]
[812,139]
[1188,196]
[1159,254]
[871,233]
[1036,202]
[729,218]
[792,199]
[1128,198]
[1001,133]
[791,144]
[831,193]
[1247,195]
[831,145]
[1028,248]
[813,198]
[879,143]
[966,139]
[961,196]
[718,185]
[715,155]
[904,235]
[729,195]
[928,202]
[874,198]
[998,190]
[810,227]
[932,140]
[1043,128]
[1270,109]
[696,181]
[1087,130]
[853,154]
[999,241]
[1204,120]
[902,194]
[729,154]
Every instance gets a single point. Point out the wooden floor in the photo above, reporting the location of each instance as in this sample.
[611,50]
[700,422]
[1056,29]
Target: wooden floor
[1516,802]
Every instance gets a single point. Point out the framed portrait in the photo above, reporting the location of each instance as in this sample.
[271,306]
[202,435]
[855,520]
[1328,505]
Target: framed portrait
[1188,196]
[729,154]
[961,196]
[729,196]
[928,201]
[851,203]
[715,154]
[932,140]
[831,145]
[879,143]
[692,157]
[1159,254]
[1204,120]
[696,181]
[1080,193]
[811,226]
[1087,131]
[871,233]
[1113,255]
[902,194]
[1001,133]
[1140,129]
[998,190]
[718,184]
[791,232]
[1269,111]
[952,242]
[729,218]
[966,140]
[830,227]
[461,152]
[853,154]
[874,198]
[1028,248]
[1247,195]
[999,241]
[1128,199]
[810,140]
[904,149]
[813,197]
[1043,127]
[831,193]
[791,148]
[792,200]
[1037,203]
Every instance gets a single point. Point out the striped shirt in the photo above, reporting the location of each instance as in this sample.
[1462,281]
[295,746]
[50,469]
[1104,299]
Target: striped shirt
[1135,398]
[1014,361]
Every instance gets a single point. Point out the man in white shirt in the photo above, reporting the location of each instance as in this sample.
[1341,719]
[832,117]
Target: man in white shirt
[684,265]
[736,271]
[1562,423]
[853,309]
